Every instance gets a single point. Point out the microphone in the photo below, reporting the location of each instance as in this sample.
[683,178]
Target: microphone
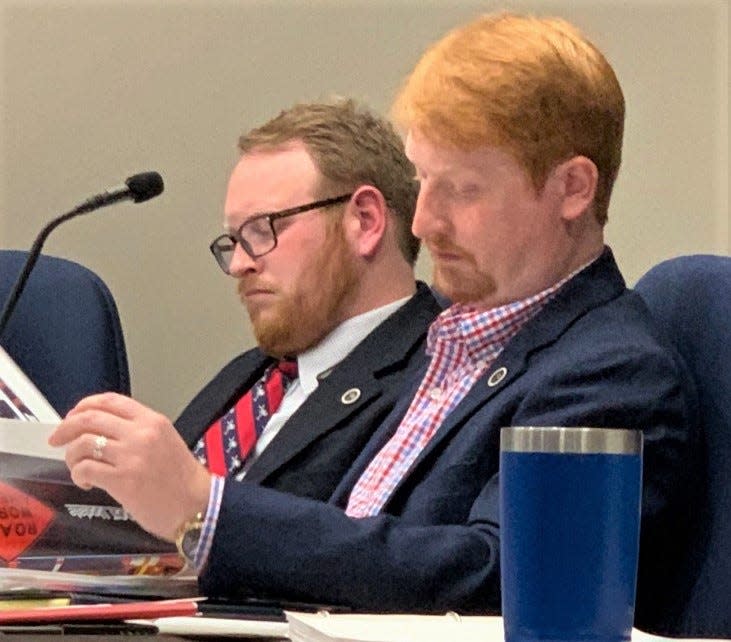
[138,188]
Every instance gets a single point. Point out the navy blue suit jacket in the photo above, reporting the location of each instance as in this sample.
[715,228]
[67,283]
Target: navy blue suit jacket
[317,445]
[589,358]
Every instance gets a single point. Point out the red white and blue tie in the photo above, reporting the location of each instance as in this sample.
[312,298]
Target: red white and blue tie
[227,443]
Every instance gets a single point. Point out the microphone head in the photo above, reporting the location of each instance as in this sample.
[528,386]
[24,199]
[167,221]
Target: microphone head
[144,186]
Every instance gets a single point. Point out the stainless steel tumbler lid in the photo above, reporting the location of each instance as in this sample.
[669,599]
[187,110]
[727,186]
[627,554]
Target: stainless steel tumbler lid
[558,439]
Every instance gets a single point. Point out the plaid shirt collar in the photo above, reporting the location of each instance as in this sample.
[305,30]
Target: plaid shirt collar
[472,334]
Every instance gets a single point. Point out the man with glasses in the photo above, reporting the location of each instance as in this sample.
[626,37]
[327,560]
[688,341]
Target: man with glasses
[317,217]
[318,214]
[514,125]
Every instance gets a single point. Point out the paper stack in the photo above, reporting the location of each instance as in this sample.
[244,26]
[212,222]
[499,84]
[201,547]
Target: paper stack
[54,535]
[326,627]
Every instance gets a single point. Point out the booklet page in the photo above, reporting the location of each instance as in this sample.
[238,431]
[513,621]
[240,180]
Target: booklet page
[19,398]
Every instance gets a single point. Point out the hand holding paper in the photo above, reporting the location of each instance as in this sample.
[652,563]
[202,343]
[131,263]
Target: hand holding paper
[136,455]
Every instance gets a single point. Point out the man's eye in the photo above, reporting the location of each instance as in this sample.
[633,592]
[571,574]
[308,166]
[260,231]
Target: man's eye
[469,190]
[258,227]
[449,189]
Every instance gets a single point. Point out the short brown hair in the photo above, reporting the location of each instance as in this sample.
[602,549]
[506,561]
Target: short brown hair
[533,86]
[350,146]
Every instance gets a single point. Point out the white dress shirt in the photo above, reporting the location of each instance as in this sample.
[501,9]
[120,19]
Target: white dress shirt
[314,364]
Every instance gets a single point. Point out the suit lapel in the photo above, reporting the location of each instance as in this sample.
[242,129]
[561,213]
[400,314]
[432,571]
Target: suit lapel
[323,411]
[221,394]
[377,441]
[330,405]
[597,284]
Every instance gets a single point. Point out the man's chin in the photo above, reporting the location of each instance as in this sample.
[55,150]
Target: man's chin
[273,344]
[278,336]
[460,288]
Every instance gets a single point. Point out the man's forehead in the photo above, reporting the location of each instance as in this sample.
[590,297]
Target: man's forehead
[267,181]
[267,169]
[439,158]
[293,154]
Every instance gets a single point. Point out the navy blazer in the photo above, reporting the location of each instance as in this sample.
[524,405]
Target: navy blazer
[317,445]
[590,358]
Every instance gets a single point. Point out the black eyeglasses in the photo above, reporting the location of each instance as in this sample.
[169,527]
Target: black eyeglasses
[257,236]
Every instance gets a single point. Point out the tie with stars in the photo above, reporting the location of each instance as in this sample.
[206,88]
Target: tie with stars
[226,444]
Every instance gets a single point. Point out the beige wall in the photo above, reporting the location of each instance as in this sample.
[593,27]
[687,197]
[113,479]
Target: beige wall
[94,91]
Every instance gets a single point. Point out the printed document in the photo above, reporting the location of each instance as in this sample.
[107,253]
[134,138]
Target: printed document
[54,534]
[19,398]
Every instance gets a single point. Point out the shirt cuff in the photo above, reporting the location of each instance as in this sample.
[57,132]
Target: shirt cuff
[205,542]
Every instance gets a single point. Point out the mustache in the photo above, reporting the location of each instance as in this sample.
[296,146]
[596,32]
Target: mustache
[441,244]
[244,285]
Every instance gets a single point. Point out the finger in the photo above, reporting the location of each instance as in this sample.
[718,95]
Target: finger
[112,403]
[91,401]
[88,422]
[95,447]
[88,474]
[91,473]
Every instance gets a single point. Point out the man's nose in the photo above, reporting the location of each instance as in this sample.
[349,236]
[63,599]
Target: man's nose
[428,215]
[241,262]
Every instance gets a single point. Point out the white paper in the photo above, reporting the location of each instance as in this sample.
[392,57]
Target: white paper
[19,398]
[18,579]
[28,438]
[326,627]
[197,625]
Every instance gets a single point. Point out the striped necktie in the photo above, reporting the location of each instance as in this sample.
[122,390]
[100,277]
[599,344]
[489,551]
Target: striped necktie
[227,443]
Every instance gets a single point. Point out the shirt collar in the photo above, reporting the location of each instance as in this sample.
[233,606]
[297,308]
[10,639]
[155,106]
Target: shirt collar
[482,332]
[339,343]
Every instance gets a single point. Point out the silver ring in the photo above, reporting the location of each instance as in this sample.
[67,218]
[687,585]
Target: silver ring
[99,442]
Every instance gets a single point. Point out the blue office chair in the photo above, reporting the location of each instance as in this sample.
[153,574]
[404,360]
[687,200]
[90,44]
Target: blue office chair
[690,298]
[65,333]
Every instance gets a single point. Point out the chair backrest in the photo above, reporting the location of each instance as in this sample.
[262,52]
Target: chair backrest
[65,332]
[690,298]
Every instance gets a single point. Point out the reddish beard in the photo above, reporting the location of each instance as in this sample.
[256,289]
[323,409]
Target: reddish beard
[301,319]
[460,280]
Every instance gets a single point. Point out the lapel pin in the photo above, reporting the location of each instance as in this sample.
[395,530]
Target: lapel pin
[324,374]
[497,376]
[350,396]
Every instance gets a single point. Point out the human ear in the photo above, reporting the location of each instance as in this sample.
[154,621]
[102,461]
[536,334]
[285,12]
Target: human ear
[367,219]
[576,179]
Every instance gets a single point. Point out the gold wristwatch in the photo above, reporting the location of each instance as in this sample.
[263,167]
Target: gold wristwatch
[187,537]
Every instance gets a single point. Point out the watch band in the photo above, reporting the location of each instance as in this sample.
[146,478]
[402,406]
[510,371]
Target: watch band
[187,537]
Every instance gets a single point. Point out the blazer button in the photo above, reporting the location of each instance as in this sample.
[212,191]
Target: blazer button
[350,396]
[497,376]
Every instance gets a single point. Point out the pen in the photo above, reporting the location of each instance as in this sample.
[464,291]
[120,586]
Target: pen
[269,612]
[274,606]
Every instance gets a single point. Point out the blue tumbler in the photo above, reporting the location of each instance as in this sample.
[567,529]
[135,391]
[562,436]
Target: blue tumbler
[569,532]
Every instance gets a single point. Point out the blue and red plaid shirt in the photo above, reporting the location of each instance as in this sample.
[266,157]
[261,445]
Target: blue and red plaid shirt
[463,343]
